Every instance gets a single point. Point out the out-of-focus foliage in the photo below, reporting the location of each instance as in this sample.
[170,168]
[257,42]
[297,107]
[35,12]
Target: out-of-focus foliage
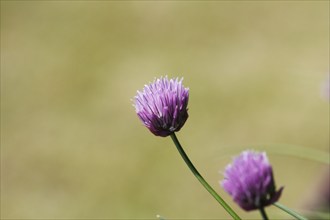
[72,145]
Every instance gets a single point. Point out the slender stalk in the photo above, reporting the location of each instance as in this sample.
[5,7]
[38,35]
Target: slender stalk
[201,179]
[263,213]
[289,211]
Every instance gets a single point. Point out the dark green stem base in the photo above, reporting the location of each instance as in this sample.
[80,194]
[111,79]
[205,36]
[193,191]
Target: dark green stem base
[201,179]
[263,213]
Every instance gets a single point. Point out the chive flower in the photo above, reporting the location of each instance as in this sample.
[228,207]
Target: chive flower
[249,180]
[162,106]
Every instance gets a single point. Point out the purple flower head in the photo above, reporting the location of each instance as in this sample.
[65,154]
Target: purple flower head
[162,106]
[249,180]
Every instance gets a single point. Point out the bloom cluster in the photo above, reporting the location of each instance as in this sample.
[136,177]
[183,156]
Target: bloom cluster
[249,180]
[162,106]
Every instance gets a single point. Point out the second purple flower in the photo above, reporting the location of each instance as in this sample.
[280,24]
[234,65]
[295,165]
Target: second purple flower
[249,180]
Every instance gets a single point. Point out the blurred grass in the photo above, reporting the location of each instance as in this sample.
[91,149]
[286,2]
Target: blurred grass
[71,144]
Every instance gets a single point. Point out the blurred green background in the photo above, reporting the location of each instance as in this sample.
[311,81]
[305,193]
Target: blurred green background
[72,145]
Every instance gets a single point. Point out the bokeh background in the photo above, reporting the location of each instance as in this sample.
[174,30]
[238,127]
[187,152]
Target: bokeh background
[72,146]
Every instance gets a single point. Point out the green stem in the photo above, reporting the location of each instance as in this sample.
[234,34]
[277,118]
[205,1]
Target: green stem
[263,213]
[201,179]
[289,211]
